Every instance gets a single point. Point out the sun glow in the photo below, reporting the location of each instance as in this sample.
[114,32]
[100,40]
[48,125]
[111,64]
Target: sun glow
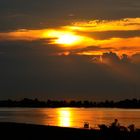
[92,37]
[63,38]
[68,39]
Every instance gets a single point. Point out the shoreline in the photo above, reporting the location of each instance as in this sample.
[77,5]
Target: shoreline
[27,102]
[24,130]
[68,107]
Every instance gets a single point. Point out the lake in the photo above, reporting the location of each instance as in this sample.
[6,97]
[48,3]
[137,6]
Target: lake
[71,117]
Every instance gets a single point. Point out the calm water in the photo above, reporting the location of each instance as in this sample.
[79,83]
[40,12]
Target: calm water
[70,117]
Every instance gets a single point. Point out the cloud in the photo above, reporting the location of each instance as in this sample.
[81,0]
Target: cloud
[136,58]
[121,36]
[124,66]
[33,65]
[122,45]
[27,70]
[112,34]
[107,25]
[21,34]
[51,13]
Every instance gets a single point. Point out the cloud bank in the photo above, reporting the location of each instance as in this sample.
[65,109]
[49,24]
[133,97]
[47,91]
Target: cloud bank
[121,36]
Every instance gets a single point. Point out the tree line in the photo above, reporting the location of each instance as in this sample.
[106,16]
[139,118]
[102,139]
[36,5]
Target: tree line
[128,103]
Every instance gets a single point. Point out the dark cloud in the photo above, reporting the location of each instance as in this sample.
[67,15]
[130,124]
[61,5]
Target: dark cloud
[41,14]
[91,48]
[136,58]
[113,58]
[28,47]
[114,34]
[27,70]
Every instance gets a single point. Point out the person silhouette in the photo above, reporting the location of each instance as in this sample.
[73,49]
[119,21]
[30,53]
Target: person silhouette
[86,125]
[115,123]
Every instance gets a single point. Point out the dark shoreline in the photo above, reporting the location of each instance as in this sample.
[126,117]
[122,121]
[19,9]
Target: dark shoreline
[65,107]
[32,131]
[35,103]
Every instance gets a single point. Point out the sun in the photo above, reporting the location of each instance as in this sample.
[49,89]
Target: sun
[64,38]
[67,39]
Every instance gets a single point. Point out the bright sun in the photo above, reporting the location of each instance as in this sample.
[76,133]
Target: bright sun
[63,38]
[67,39]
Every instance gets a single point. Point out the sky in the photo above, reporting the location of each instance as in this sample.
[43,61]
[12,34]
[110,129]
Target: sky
[70,49]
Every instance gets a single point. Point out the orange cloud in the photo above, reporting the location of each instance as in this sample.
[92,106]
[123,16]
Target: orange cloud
[126,24]
[62,38]
[22,34]
[128,46]
[70,37]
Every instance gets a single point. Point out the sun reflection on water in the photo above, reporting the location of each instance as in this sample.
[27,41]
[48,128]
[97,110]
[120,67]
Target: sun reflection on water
[64,117]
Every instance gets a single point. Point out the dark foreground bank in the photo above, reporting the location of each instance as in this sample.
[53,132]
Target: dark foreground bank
[19,131]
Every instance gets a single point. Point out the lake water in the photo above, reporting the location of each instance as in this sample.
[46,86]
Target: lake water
[70,117]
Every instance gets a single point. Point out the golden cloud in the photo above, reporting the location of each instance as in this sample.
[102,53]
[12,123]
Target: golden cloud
[70,37]
[126,24]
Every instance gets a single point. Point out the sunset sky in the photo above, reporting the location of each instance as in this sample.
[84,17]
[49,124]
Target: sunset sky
[70,49]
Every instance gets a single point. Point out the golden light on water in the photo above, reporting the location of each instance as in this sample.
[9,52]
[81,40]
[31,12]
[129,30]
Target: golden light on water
[64,117]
